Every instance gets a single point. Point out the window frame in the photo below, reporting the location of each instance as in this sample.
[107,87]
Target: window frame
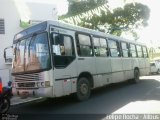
[130,51]
[139,51]
[146,51]
[127,46]
[33,36]
[99,37]
[118,47]
[78,44]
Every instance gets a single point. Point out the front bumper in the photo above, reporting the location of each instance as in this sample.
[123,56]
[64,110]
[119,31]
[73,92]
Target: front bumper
[32,92]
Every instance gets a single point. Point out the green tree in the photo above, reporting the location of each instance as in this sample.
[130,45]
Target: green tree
[98,16]
[80,6]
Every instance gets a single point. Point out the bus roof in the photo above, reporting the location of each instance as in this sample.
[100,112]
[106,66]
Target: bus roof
[42,26]
[39,27]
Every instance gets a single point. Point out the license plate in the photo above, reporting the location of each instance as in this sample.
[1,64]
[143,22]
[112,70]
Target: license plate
[25,93]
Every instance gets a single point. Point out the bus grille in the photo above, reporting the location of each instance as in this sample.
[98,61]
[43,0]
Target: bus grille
[28,77]
[26,85]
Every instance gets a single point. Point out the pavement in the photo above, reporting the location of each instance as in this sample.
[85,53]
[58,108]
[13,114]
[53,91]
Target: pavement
[15,100]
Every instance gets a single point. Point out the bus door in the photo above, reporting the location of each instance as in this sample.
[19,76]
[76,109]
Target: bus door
[64,63]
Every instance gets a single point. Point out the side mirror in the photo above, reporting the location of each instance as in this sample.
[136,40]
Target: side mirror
[8,53]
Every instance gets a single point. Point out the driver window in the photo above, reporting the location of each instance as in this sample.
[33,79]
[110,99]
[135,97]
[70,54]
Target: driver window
[62,45]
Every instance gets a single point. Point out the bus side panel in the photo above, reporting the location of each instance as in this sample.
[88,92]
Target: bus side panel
[103,71]
[142,66]
[135,63]
[147,65]
[127,67]
[58,91]
[86,64]
[117,70]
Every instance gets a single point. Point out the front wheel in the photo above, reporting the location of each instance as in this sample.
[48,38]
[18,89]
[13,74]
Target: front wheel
[83,89]
[5,105]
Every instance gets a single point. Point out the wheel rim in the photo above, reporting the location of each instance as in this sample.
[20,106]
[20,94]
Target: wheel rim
[84,89]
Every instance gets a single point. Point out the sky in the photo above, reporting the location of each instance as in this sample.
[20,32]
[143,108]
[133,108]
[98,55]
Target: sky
[149,35]
[62,5]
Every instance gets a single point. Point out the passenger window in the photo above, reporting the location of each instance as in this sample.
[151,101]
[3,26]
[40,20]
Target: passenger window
[133,52]
[84,46]
[124,49]
[113,46]
[145,53]
[139,51]
[100,46]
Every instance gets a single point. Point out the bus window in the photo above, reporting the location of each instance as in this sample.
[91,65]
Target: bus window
[63,50]
[124,49]
[113,46]
[38,52]
[62,45]
[133,50]
[139,51]
[18,64]
[100,46]
[84,46]
[145,53]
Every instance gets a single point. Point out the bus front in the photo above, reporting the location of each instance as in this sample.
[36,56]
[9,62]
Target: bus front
[31,68]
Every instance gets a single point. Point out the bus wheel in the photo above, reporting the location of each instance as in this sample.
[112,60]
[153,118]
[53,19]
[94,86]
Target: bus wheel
[83,89]
[136,76]
[158,72]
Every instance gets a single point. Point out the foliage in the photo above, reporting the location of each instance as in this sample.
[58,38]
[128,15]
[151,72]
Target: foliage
[80,6]
[89,14]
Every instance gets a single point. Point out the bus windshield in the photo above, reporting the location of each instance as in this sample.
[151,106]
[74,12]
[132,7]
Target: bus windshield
[31,54]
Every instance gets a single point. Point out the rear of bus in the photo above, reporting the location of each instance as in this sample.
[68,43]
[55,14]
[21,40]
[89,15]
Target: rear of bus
[31,68]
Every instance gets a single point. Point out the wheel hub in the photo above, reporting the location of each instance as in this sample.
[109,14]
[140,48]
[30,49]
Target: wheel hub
[84,89]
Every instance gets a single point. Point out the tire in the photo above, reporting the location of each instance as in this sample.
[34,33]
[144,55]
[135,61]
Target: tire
[158,72]
[83,89]
[5,105]
[136,76]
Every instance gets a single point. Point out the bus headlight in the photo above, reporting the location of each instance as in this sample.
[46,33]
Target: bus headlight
[42,84]
[47,83]
[38,84]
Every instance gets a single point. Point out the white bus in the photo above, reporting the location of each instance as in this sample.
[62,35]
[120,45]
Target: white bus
[53,59]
